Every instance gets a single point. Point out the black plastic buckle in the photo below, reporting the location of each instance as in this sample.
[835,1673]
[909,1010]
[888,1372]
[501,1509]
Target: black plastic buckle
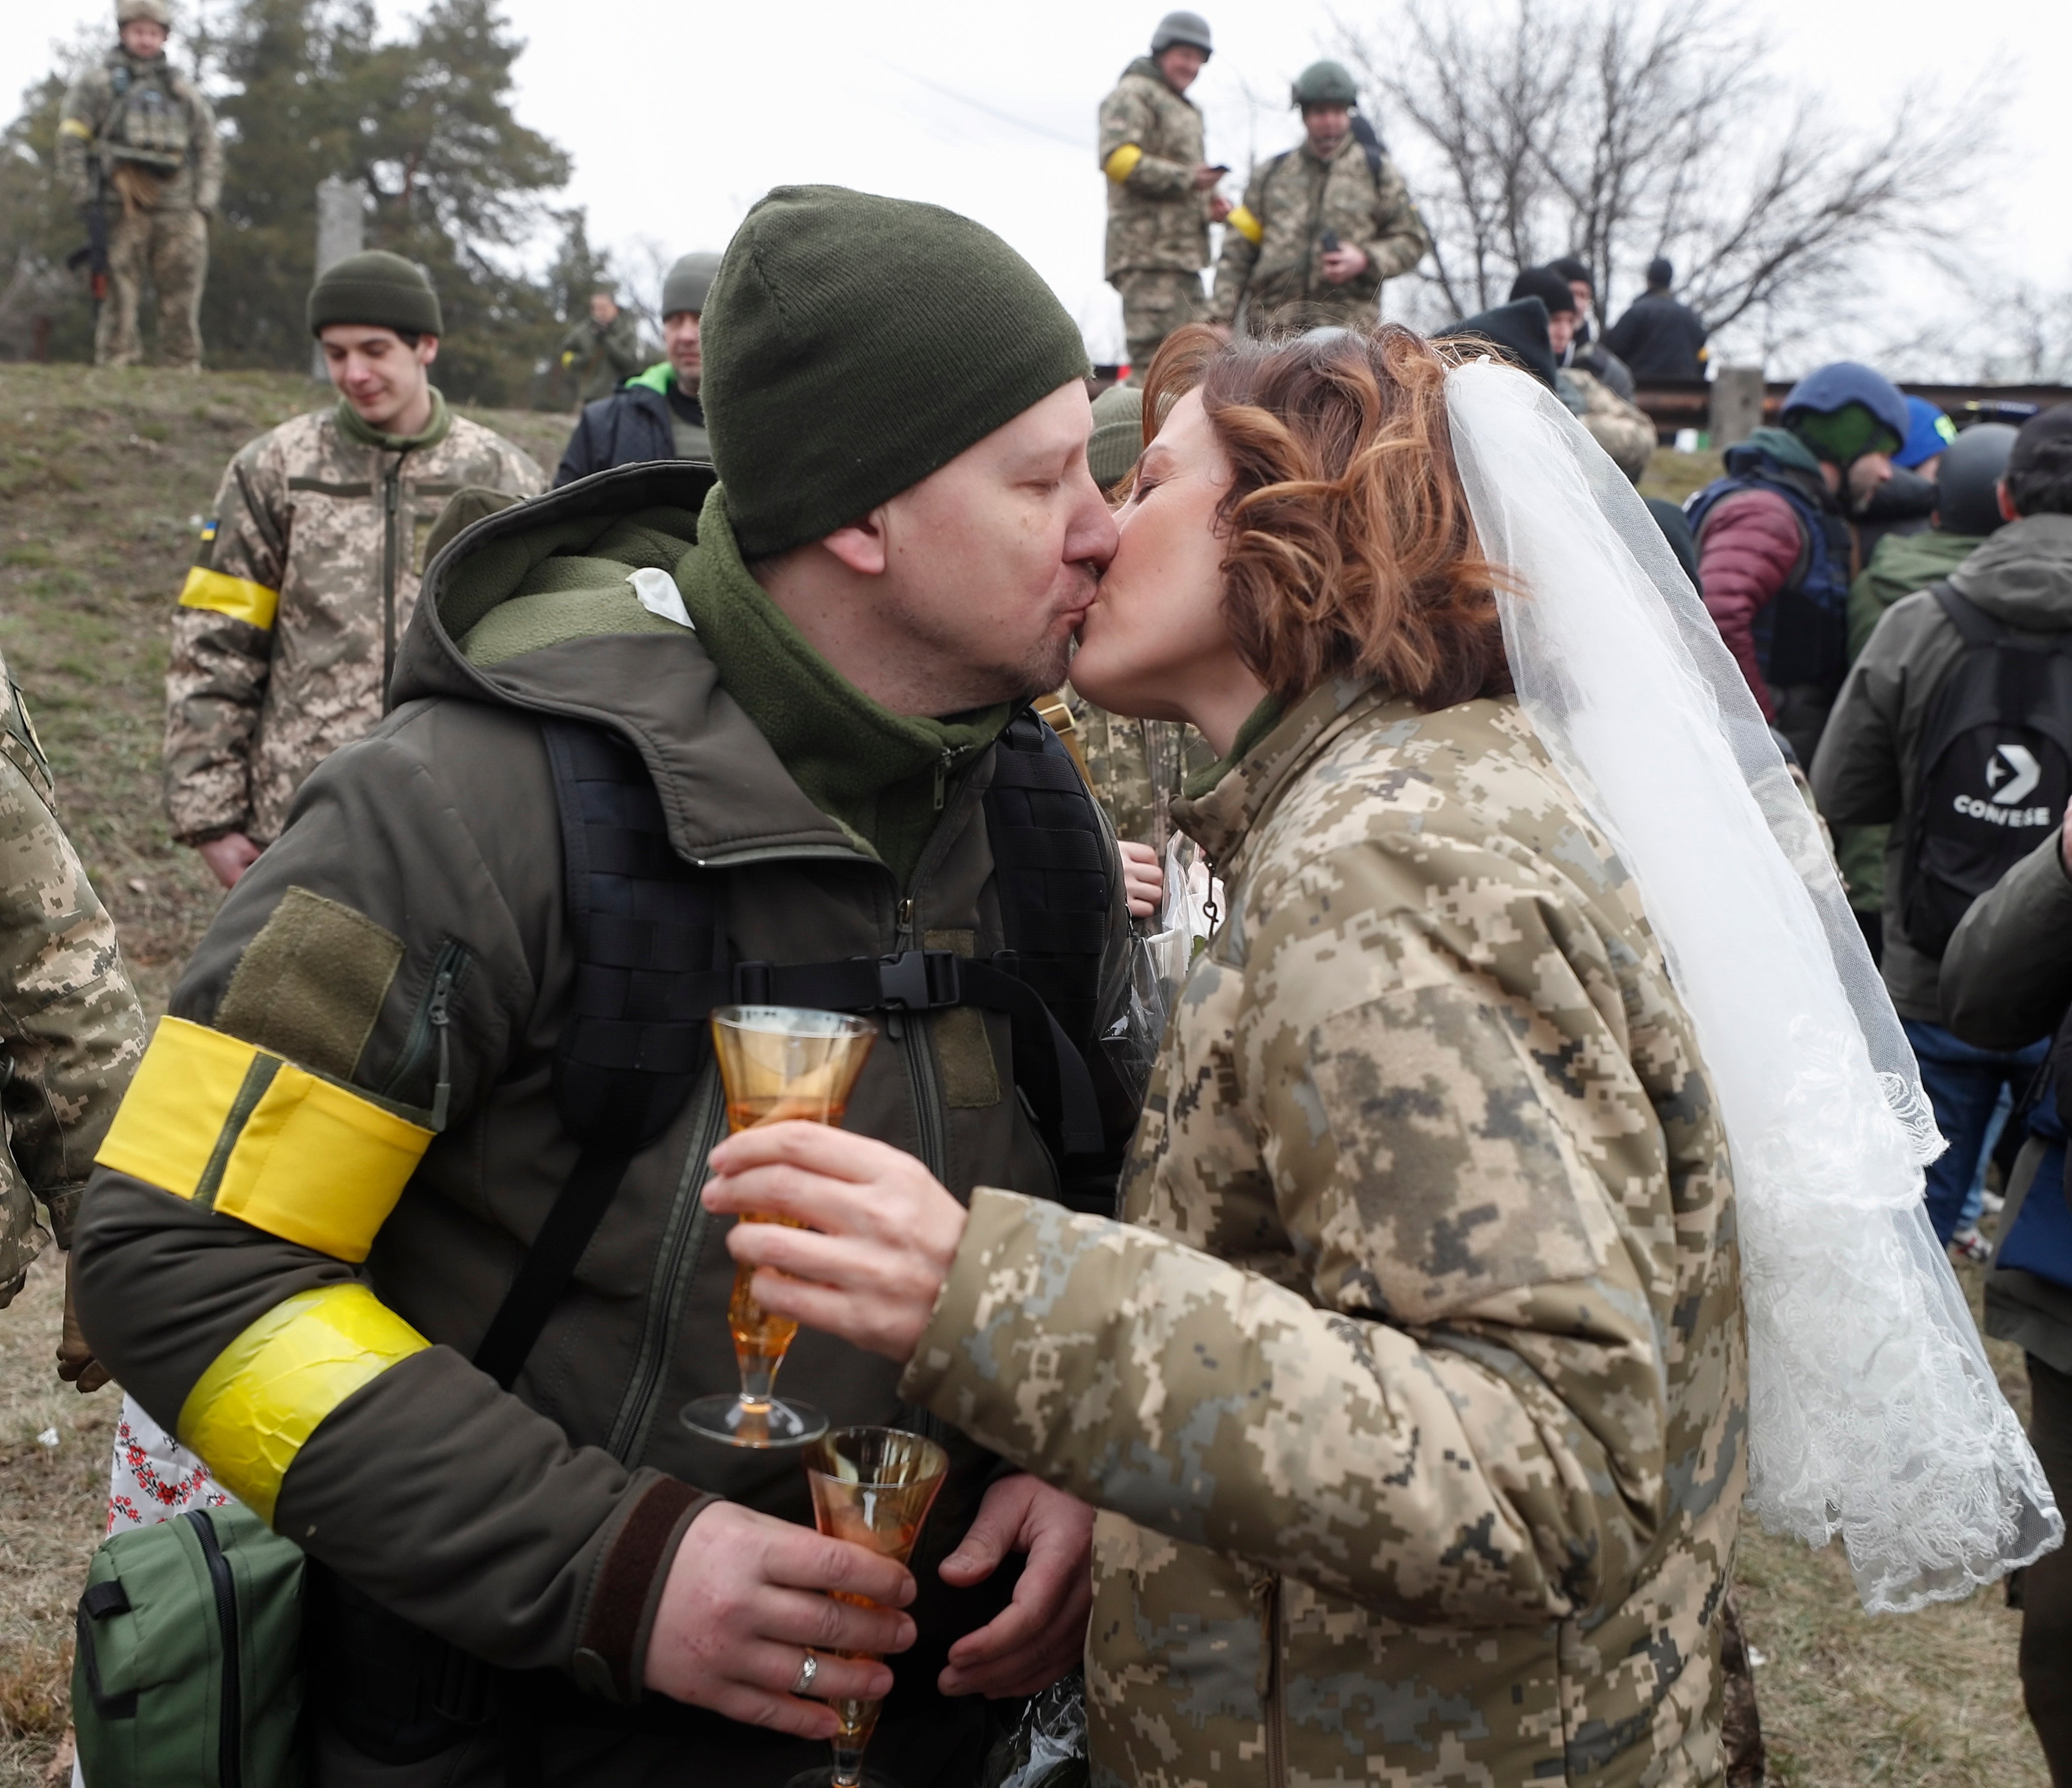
[751,982]
[920,980]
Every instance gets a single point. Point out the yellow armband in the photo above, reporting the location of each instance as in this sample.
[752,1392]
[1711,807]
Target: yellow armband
[76,127]
[232,1128]
[1247,225]
[1120,166]
[254,1409]
[238,597]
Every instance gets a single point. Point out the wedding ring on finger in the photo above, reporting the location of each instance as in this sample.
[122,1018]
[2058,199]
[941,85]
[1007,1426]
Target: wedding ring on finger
[809,1667]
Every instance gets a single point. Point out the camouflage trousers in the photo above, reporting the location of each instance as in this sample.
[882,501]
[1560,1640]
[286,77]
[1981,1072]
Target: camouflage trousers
[172,246]
[1156,301]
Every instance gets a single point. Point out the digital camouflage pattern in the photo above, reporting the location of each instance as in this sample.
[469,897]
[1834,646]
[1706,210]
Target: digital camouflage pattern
[1155,303]
[1413,1380]
[172,246]
[1116,751]
[1621,429]
[71,1030]
[1293,199]
[1156,218]
[337,529]
[137,133]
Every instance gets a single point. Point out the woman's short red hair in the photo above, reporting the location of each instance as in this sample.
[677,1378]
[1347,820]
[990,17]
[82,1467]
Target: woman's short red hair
[1351,548]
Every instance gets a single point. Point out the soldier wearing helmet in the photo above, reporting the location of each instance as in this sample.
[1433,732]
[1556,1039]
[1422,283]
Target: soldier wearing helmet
[1161,196]
[1323,225]
[137,137]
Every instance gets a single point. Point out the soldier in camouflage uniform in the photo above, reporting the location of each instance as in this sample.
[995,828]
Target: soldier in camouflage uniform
[71,1030]
[308,575]
[1160,190]
[1321,226]
[136,136]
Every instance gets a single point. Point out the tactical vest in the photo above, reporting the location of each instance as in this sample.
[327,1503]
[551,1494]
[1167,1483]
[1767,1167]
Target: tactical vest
[150,123]
[650,933]
[1802,636]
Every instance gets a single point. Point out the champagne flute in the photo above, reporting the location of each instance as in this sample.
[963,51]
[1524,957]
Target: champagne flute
[776,1062]
[873,1486]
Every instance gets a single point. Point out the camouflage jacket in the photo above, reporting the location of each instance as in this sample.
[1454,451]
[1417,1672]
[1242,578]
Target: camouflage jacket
[148,115]
[1413,1381]
[288,624]
[1151,142]
[1273,249]
[1621,429]
[1116,752]
[71,1030]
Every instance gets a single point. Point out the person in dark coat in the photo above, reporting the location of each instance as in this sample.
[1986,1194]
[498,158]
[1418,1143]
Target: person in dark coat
[1660,339]
[655,414]
[1584,349]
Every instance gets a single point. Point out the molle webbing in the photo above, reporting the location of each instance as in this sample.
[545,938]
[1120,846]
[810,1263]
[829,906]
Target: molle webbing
[650,935]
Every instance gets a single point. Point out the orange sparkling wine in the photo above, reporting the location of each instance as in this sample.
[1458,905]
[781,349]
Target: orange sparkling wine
[756,1333]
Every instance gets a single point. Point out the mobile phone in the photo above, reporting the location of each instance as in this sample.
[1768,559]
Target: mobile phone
[1219,167]
[1330,242]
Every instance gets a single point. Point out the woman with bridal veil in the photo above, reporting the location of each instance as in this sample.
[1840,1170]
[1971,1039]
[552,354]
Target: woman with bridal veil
[1531,1175]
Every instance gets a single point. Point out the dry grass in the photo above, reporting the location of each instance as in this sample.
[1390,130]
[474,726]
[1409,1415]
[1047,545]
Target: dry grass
[100,474]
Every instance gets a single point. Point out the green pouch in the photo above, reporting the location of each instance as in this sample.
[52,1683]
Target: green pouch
[188,1671]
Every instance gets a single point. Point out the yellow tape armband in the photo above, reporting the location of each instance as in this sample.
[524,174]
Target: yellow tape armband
[237,1130]
[252,1411]
[1120,166]
[76,127]
[1247,225]
[238,597]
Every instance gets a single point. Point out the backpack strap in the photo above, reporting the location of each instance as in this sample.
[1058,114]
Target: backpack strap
[1974,626]
[650,949]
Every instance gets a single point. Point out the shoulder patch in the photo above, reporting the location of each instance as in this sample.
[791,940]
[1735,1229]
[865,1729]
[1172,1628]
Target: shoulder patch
[310,985]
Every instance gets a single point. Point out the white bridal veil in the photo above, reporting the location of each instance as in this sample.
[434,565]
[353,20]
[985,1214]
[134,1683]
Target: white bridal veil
[1872,1411]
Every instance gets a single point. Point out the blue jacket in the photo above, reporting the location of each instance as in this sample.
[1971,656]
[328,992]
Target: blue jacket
[630,427]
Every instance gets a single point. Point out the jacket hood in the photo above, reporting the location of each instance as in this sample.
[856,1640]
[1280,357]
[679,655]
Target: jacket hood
[1786,449]
[2023,574]
[491,625]
[1903,563]
[658,379]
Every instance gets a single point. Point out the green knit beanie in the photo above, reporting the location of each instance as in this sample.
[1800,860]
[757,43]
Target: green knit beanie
[1118,434]
[378,289]
[854,344]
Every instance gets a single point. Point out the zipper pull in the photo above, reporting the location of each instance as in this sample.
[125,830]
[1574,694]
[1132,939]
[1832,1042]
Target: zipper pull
[441,1014]
[944,765]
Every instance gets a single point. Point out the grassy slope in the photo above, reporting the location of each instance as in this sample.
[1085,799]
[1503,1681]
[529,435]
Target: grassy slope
[100,474]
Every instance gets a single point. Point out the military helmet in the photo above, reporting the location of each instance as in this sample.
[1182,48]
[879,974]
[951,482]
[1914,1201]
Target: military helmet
[127,12]
[1967,482]
[1181,27]
[1326,83]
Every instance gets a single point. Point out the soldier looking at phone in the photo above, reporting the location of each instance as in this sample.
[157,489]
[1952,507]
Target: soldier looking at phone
[1323,225]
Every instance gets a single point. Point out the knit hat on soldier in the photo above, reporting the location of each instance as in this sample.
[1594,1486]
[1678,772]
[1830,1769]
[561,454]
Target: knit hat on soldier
[858,345]
[1547,285]
[377,289]
[1118,434]
[686,284]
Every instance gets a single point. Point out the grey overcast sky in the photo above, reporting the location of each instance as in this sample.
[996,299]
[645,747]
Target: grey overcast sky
[679,115]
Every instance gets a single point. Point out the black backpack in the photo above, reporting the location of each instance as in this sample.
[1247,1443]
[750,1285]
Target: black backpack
[1993,772]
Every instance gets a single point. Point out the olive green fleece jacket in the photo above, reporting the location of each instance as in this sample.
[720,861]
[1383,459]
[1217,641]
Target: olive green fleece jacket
[535,1527]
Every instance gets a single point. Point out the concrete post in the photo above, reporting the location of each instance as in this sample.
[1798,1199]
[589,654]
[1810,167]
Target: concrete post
[341,231]
[1736,407]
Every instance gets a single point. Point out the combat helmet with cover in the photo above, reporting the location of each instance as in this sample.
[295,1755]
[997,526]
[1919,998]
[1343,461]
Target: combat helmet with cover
[127,12]
[1182,27]
[1325,83]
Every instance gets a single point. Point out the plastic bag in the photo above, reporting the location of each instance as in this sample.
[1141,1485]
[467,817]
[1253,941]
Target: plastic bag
[1048,1747]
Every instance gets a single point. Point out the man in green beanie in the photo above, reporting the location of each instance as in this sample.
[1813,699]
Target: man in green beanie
[288,625]
[661,740]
